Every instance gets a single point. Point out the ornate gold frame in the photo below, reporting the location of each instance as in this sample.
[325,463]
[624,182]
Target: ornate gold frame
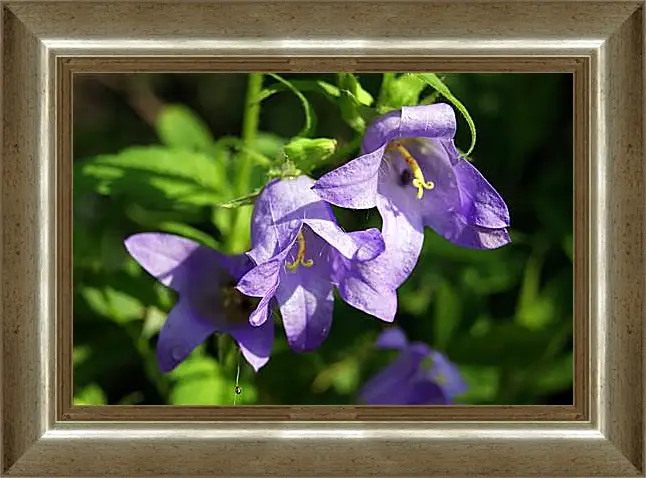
[45,42]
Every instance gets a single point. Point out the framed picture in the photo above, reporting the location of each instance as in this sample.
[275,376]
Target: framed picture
[322,239]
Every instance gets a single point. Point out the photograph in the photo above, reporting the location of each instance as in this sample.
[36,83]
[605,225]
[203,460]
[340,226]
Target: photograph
[386,238]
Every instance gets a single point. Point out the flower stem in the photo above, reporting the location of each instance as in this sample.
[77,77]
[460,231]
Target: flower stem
[238,238]
[249,129]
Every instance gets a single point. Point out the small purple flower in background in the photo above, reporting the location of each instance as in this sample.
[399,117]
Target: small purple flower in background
[302,253]
[418,376]
[412,172]
[208,302]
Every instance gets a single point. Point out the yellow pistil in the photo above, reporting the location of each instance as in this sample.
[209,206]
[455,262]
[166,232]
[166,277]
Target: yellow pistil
[300,257]
[418,176]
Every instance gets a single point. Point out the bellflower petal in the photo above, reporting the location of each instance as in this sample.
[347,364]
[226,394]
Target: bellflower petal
[359,282]
[392,386]
[181,333]
[418,376]
[447,374]
[481,204]
[426,121]
[282,208]
[465,208]
[262,281]
[255,342]
[296,243]
[353,185]
[201,276]
[392,338]
[427,393]
[403,232]
[168,258]
[420,181]
[306,301]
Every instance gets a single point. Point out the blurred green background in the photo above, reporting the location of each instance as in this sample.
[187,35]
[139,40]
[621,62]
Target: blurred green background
[504,316]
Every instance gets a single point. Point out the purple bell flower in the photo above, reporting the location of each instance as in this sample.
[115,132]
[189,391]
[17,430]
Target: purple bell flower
[412,172]
[208,302]
[418,376]
[302,253]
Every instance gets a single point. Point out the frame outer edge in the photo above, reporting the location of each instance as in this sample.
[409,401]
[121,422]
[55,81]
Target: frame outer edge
[621,389]
[27,306]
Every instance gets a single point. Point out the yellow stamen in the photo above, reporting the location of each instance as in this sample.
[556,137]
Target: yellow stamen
[418,176]
[300,257]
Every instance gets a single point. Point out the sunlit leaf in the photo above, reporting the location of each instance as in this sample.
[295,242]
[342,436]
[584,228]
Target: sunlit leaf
[401,91]
[353,100]
[482,384]
[343,376]
[153,322]
[154,174]
[180,128]
[350,83]
[533,310]
[268,144]
[199,381]
[91,395]
[113,304]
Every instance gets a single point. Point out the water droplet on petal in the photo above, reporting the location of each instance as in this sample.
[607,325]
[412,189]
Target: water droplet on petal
[177,353]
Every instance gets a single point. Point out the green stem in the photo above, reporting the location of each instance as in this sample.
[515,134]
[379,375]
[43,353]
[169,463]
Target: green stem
[237,239]
[249,129]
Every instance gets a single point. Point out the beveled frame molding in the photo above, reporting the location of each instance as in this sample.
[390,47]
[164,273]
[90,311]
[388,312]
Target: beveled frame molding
[45,42]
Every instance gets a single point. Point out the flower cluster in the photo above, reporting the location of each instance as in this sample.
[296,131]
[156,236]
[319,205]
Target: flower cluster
[411,171]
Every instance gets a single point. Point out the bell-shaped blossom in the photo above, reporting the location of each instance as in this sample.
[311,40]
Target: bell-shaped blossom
[208,302]
[301,254]
[412,172]
[418,376]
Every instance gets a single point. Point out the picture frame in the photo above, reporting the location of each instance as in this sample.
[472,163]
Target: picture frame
[44,43]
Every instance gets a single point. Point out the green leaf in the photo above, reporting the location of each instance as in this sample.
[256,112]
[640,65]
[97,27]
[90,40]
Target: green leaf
[343,376]
[113,304]
[189,232]
[310,117]
[156,221]
[267,144]
[81,354]
[178,127]
[448,310]
[533,310]
[159,176]
[199,381]
[436,83]
[482,384]
[353,101]
[153,322]
[307,154]
[350,83]
[401,91]
[91,394]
